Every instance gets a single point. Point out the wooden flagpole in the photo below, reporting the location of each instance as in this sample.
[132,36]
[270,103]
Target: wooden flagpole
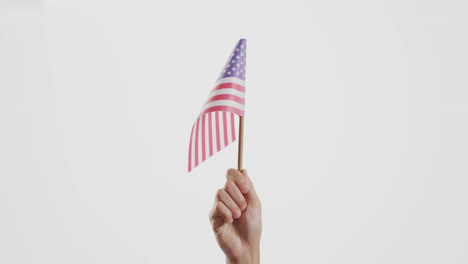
[241,143]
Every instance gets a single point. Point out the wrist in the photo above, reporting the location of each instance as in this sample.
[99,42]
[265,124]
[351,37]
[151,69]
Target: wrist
[253,257]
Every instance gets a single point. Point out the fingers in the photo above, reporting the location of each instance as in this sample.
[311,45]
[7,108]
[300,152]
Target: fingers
[226,199]
[244,183]
[234,198]
[220,210]
[251,196]
[237,177]
[236,195]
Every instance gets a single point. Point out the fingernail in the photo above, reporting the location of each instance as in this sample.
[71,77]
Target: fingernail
[244,188]
[243,207]
[244,173]
[237,214]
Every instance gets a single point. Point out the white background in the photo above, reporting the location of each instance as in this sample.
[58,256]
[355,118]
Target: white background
[355,132]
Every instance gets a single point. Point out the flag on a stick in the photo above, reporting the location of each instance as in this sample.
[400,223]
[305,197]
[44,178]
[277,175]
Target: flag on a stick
[214,128]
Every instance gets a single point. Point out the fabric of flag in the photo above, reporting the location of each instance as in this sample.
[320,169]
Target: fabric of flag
[214,128]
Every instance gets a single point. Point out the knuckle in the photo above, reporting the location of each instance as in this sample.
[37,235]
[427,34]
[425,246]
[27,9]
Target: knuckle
[230,184]
[211,213]
[231,171]
[232,174]
[219,193]
[239,178]
[213,210]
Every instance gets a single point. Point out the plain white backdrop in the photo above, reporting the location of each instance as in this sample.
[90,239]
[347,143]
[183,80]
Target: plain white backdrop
[355,131]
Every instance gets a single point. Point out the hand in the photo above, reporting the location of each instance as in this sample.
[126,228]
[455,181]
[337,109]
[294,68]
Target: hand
[236,218]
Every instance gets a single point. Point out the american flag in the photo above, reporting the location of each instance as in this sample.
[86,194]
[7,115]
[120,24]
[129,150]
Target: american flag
[214,128]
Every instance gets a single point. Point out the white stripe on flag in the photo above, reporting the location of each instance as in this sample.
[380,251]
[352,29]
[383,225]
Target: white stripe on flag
[230,80]
[224,103]
[227,91]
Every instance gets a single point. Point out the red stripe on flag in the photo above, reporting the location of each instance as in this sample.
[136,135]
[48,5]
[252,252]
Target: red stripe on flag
[190,151]
[231,97]
[225,129]
[196,143]
[218,144]
[233,130]
[203,138]
[229,85]
[210,132]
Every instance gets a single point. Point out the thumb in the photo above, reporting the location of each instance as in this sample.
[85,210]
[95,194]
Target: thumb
[251,196]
